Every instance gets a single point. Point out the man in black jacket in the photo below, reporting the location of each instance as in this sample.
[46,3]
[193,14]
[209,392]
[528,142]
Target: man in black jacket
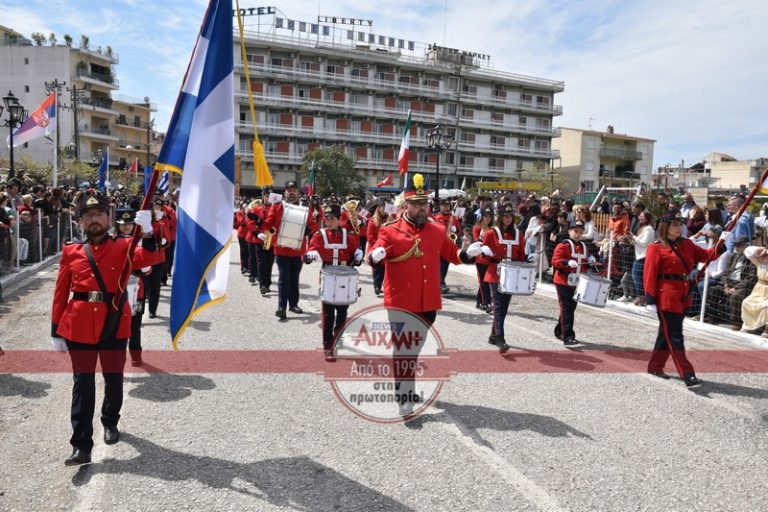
[738,280]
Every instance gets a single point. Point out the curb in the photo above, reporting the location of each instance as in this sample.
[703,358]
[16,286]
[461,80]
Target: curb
[621,309]
[11,280]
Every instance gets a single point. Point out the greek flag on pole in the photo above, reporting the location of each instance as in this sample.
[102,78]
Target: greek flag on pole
[162,184]
[200,145]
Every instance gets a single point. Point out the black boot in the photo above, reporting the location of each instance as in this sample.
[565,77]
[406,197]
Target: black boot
[78,457]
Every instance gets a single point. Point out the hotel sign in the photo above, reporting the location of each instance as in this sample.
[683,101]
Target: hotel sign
[255,11]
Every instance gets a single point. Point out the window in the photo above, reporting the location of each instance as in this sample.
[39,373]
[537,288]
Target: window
[469,89]
[26,88]
[242,117]
[542,122]
[590,143]
[359,72]
[590,166]
[450,158]
[589,185]
[496,163]
[542,101]
[26,61]
[497,141]
[467,113]
[452,109]
[355,127]
[466,160]
[497,117]
[541,145]
[524,143]
[526,98]
[273,119]
[468,137]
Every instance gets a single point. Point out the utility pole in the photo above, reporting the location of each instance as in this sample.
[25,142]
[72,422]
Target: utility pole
[51,87]
[76,96]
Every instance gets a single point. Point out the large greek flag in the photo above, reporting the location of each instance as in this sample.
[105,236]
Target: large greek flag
[200,146]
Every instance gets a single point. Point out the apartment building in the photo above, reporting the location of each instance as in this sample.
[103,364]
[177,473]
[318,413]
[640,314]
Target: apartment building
[606,158]
[317,84]
[102,119]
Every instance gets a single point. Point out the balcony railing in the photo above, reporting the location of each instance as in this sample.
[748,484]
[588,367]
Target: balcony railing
[98,102]
[110,81]
[620,154]
[132,124]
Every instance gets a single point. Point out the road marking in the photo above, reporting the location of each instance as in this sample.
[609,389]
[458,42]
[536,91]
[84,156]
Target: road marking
[524,485]
[671,384]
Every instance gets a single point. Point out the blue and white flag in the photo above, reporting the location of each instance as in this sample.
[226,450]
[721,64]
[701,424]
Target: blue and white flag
[147,178]
[103,171]
[163,182]
[200,145]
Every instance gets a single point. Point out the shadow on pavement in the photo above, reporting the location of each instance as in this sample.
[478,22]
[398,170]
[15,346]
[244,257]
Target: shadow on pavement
[476,417]
[11,385]
[158,386]
[724,388]
[292,482]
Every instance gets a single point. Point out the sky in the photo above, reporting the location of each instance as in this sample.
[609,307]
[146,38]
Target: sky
[690,74]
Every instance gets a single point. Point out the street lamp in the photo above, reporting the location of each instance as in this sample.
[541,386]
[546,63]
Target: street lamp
[437,141]
[16,117]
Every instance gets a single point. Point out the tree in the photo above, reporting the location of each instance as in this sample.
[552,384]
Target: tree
[38,38]
[52,39]
[334,172]
[84,42]
[68,39]
[30,170]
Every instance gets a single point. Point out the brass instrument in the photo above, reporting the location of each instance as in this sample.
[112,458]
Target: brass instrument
[268,241]
[351,207]
[453,236]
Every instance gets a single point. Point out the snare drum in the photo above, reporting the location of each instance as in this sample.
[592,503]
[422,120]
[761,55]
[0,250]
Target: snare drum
[593,290]
[132,289]
[516,278]
[292,226]
[338,285]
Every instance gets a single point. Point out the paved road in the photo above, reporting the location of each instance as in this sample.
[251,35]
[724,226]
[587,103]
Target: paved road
[564,439]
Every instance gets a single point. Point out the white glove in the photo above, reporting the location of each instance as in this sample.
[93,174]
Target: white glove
[164,241]
[313,255]
[487,251]
[651,308]
[726,236]
[59,344]
[572,264]
[378,254]
[262,236]
[358,256]
[531,258]
[146,270]
[144,220]
[453,229]
[591,259]
[474,249]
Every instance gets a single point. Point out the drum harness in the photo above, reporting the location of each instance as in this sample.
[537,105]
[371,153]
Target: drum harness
[335,247]
[507,243]
[578,257]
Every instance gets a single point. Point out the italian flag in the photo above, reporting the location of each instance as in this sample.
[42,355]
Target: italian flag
[402,158]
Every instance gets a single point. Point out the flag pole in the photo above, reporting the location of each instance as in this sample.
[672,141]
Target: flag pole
[56,140]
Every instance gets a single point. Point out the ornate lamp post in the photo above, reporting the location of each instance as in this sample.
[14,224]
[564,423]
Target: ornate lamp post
[17,114]
[437,141]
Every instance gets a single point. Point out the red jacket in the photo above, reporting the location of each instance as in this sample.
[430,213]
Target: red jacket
[240,224]
[273,220]
[171,218]
[563,255]
[413,283]
[513,248]
[82,321]
[160,232]
[253,219]
[447,221]
[661,264]
[477,236]
[346,252]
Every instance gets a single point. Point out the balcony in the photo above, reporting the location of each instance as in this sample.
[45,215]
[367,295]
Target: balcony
[101,132]
[94,78]
[620,154]
[132,124]
[99,105]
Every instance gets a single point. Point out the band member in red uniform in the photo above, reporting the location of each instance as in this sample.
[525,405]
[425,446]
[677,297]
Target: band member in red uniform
[333,245]
[502,242]
[484,300]
[570,257]
[265,256]
[288,260]
[172,220]
[124,226]
[253,218]
[668,264]
[411,247]
[90,270]
[241,226]
[155,280]
[452,226]
[378,218]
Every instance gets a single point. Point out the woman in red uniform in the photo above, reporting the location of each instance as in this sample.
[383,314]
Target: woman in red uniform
[503,242]
[333,245]
[668,263]
[479,230]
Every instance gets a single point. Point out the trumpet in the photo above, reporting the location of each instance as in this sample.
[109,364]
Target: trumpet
[351,207]
[268,241]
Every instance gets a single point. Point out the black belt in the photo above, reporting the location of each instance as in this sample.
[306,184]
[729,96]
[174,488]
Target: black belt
[91,296]
[673,277]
